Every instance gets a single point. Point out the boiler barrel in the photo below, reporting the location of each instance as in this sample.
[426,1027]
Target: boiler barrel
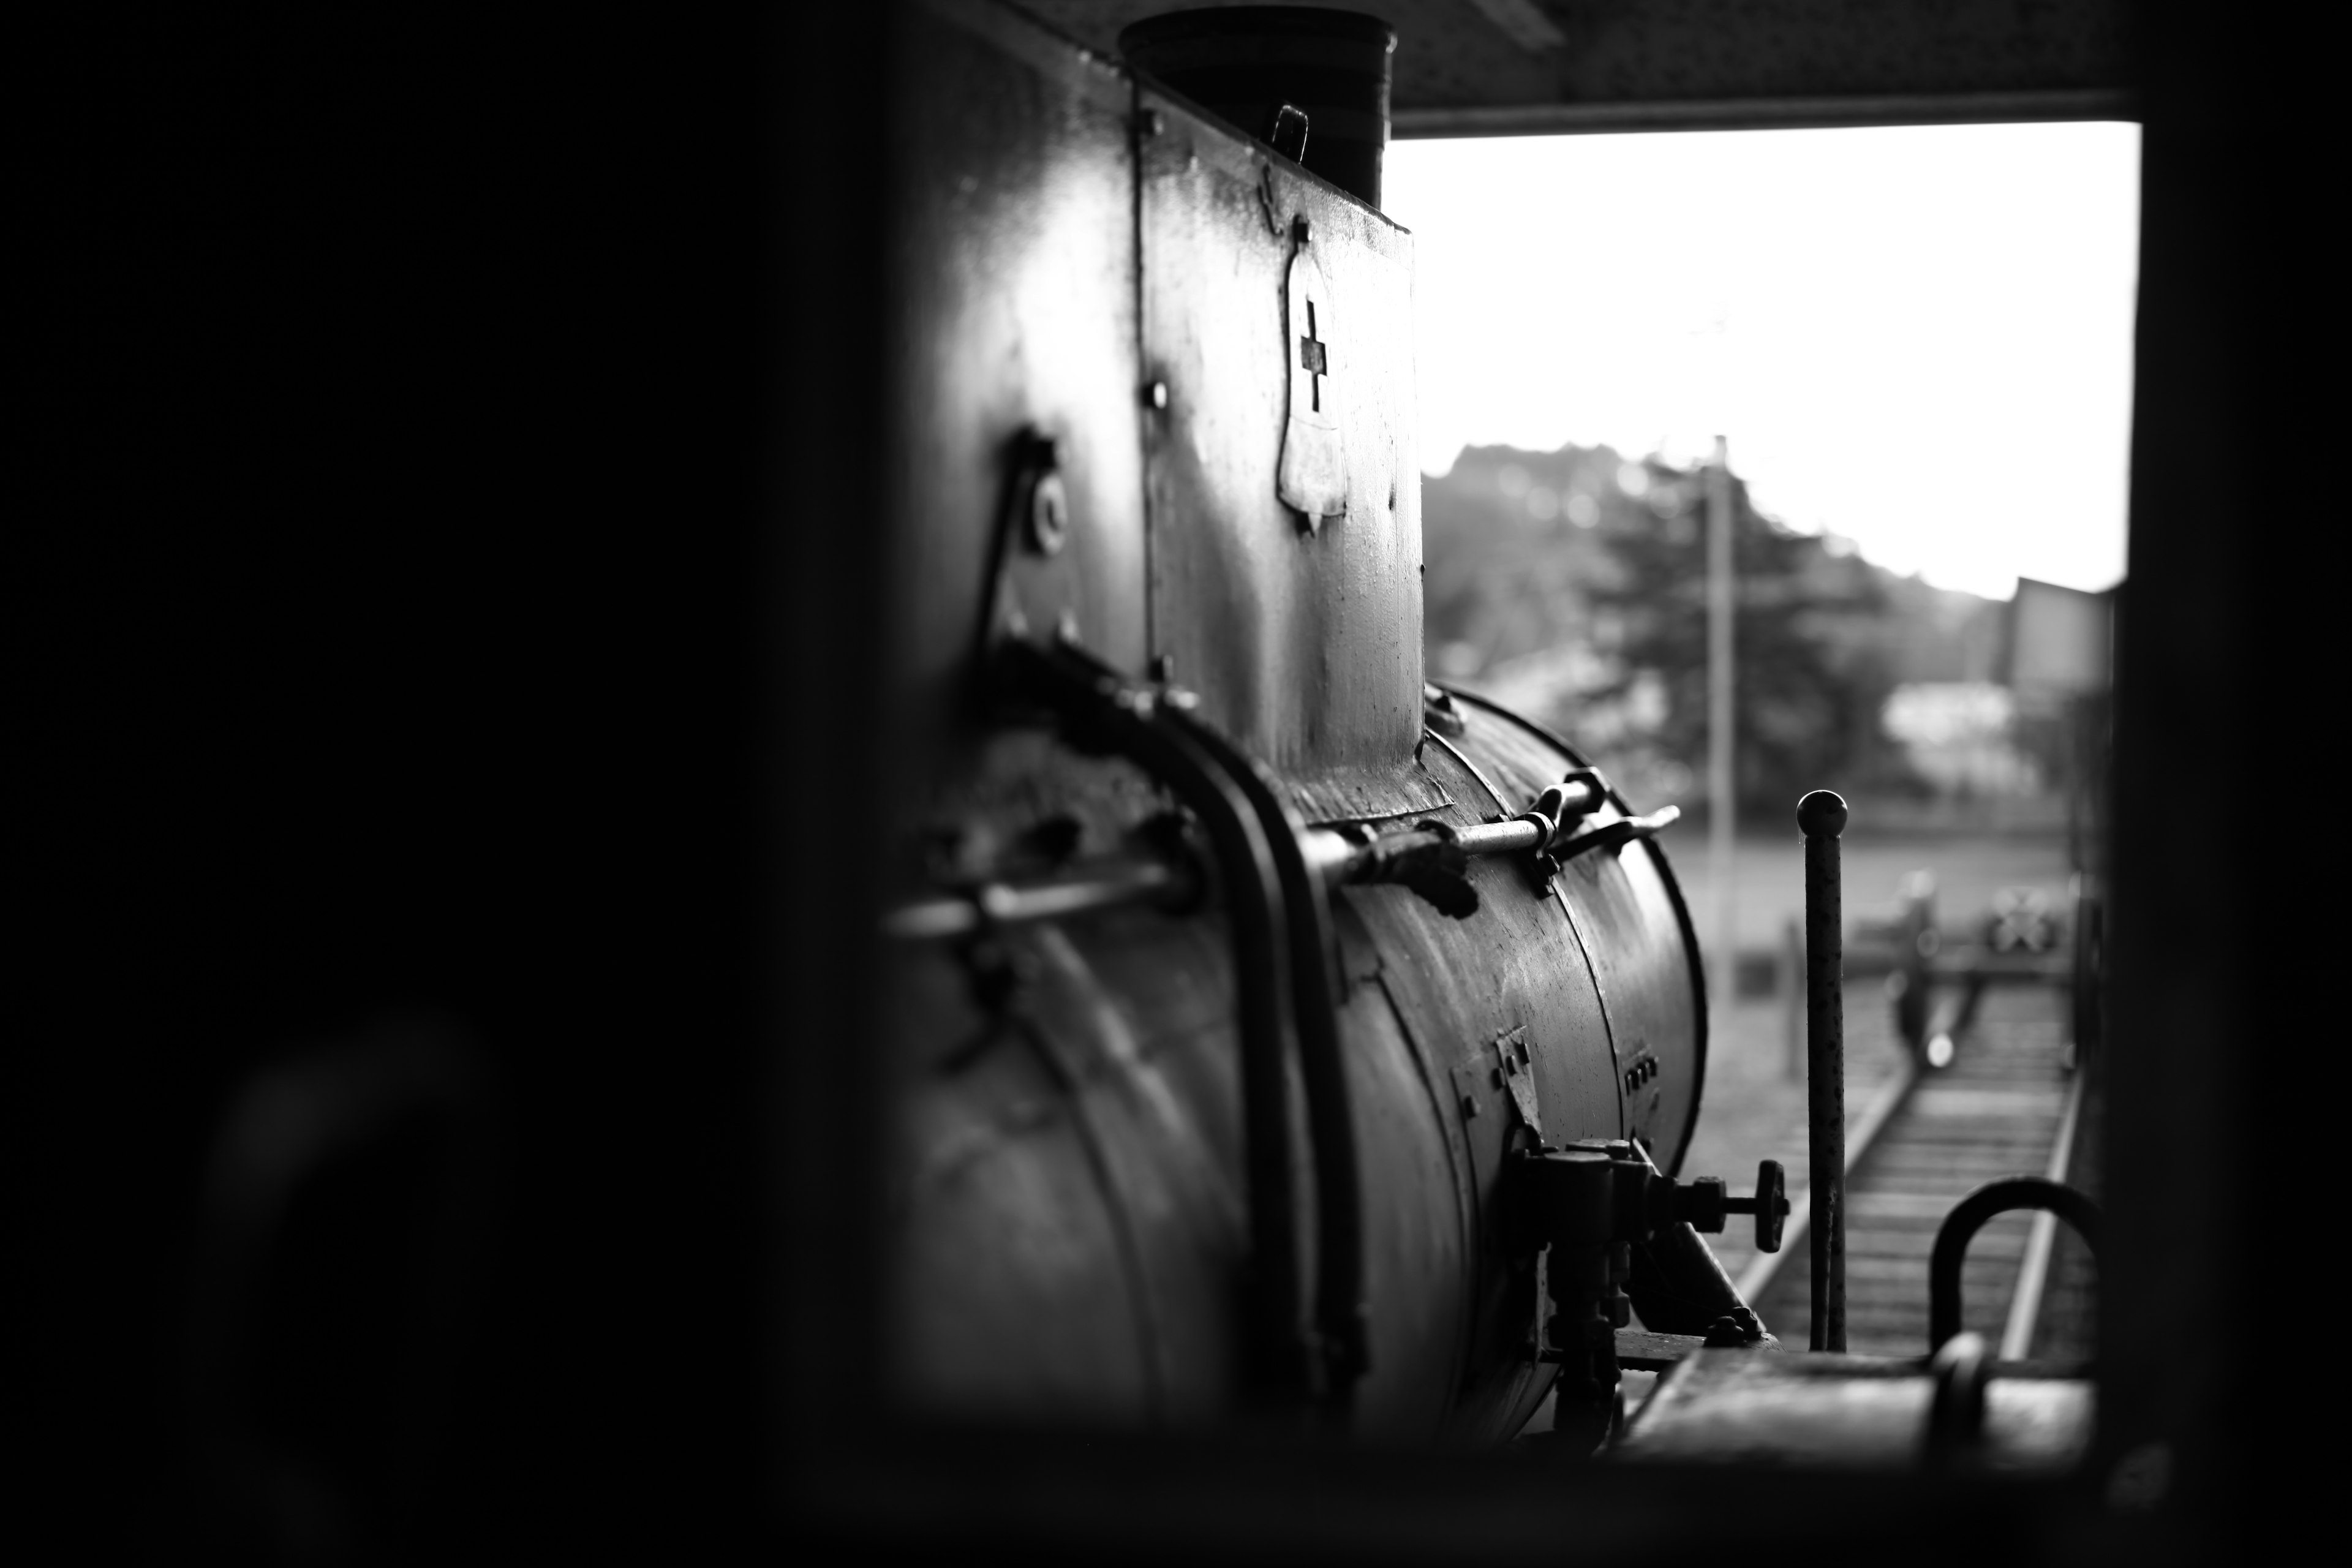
[1070,1231]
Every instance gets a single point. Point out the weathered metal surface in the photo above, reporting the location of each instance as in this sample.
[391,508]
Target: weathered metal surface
[1849,1413]
[1626,914]
[1640,1350]
[1012,1289]
[1304,642]
[1512,976]
[1313,477]
[1077,1230]
[1125,1020]
[1014,287]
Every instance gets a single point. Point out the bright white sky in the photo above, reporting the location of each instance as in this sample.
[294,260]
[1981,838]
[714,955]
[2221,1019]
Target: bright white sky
[1919,338]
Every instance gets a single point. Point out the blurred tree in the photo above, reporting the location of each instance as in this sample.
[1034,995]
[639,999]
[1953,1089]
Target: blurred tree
[1816,641]
[1509,541]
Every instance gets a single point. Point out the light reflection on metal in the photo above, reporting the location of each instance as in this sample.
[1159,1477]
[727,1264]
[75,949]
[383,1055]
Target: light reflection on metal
[998,903]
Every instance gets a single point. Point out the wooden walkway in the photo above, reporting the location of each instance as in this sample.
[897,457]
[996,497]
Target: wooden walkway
[1995,1112]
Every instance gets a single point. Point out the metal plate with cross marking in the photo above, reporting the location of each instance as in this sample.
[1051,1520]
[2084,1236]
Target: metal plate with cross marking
[1303,642]
[1314,461]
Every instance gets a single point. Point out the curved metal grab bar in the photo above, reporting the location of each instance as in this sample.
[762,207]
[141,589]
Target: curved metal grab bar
[1969,1216]
[1286,977]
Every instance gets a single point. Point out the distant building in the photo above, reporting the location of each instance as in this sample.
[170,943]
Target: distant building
[1960,737]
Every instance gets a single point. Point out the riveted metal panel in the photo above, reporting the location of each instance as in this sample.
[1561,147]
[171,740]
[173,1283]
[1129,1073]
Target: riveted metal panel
[1514,972]
[1627,916]
[1302,636]
[1014,289]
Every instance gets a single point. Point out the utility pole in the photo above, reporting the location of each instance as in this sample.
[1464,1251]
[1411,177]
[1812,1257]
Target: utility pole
[1721,809]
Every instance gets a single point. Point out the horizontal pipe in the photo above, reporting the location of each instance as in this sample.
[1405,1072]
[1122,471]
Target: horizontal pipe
[1098,887]
[1335,857]
[1340,857]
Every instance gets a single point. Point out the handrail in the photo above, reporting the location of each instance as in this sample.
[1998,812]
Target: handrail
[1342,1317]
[1968,1216]
[1103,713]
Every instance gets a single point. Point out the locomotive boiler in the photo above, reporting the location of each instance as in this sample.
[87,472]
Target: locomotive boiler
[1255,1007]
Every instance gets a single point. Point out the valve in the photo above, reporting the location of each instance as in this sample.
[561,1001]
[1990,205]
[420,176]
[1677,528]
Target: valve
[1705,1203]
[1592,1194]
[1589,1204]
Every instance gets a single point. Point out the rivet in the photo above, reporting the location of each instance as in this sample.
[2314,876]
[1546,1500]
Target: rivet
[1155,394]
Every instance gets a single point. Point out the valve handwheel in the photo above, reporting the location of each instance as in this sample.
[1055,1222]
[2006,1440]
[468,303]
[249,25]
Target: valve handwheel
[1770,1206]
[1705,1202]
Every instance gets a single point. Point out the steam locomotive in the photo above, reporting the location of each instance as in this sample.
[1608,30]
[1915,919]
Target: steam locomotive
[1260,1011]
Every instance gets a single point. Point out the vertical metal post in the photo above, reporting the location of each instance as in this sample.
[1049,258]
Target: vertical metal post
[1721,805]
[1821,816]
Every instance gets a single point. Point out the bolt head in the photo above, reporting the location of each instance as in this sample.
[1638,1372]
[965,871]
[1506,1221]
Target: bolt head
[1049,514]
[1155,394]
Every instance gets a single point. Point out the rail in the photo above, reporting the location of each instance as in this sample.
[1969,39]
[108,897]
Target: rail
[2033,1274]
[1890,1098]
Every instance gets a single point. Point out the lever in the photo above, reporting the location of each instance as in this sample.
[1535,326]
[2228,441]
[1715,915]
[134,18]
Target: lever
[1618,834]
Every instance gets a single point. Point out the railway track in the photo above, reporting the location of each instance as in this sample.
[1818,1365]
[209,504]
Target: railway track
[1917,1141]
[2006,1105]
